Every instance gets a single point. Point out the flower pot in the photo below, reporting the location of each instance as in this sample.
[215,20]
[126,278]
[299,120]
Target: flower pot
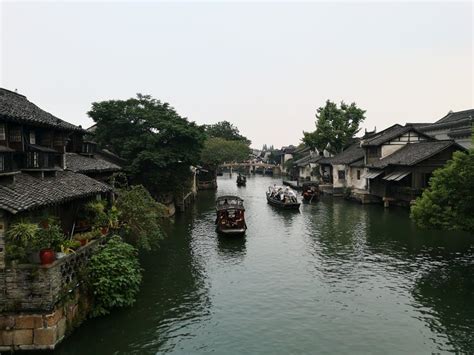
[47,256]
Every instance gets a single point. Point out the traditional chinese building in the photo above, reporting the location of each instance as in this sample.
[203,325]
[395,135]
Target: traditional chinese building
[40,303]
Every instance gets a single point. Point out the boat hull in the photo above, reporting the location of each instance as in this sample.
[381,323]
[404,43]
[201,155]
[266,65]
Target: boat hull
[285,206]
[231,231]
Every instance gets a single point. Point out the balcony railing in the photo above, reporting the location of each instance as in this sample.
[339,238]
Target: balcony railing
[39,160]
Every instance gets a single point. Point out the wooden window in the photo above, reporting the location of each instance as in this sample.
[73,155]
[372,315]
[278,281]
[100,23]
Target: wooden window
[32,160]
[358,174]
[341,174]
[58,140]
[15,134]
[3,136]
[32,137]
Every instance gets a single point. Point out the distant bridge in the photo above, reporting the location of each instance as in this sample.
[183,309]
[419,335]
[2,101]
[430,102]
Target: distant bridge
[251,167]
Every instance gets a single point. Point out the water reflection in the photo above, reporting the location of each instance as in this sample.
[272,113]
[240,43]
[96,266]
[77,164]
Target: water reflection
[445,295]
[232,248]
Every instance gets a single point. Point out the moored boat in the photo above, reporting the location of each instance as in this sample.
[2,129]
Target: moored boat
[230,215]
[284,198]
[311,192]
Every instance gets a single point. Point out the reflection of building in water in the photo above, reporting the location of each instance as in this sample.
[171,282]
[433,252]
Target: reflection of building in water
[448,290]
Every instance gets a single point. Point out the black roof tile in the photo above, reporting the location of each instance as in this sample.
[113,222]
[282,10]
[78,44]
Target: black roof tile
[16,108]
[84,164]
[28,192]
[414,153]
[351,154]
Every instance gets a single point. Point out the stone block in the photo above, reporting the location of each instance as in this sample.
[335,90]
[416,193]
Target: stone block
[53,318]
[7,322]
[23,337]
[46,336]
[6,337]
[62,327]
[28,322]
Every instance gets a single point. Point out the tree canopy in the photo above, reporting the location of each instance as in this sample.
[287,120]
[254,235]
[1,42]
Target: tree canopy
[157,143]
[225,130]
[218,150]
[448,201]
[335,127]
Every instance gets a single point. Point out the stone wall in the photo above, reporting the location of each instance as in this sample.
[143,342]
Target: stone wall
[38,288]
[42,304]
[42,331]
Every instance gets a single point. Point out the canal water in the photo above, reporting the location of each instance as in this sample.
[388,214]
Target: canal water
[337,277]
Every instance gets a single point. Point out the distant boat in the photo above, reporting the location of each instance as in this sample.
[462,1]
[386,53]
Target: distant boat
[230,215]
[284,198]
[241,180]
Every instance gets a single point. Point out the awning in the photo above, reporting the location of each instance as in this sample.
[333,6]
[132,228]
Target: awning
[40,148]
[397,175]
[372,174]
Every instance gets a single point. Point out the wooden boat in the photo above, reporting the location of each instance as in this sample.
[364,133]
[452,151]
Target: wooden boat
[311,192]
[230,215]
[289,201]
[241,180]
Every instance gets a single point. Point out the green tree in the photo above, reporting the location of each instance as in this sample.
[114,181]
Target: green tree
[335,127]
[158,144]
[218,150]
[225,130]
[448,201]
[140,217]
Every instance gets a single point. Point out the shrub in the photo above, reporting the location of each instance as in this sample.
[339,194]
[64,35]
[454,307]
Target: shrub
[50,237]
[21,239]
[140,216]
[114,276]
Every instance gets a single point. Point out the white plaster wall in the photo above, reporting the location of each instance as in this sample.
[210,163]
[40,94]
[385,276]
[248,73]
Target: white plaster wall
[388,149]
[354,183]
[336,181]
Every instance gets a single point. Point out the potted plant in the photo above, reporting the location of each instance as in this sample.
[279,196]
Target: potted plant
[22,241]
[50,240]
[68,247]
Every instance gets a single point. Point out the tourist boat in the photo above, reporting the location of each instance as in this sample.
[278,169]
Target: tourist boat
[283,198]
[241,180]
[230,215]
[311,192]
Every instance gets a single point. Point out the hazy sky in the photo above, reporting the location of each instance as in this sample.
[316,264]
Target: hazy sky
[264,66]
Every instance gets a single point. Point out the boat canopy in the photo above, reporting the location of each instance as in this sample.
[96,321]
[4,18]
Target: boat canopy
[229,202]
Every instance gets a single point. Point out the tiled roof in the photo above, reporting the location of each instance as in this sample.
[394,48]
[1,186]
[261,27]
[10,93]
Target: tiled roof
[84,164]
[325,160]
[308,159]
[351,154]
[16,108]
[28,192]
[453,120]
[456,116]
[386,135]
[358,163]
[413,153]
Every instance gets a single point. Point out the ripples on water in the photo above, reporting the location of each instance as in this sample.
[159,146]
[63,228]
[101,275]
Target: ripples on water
[338,277]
